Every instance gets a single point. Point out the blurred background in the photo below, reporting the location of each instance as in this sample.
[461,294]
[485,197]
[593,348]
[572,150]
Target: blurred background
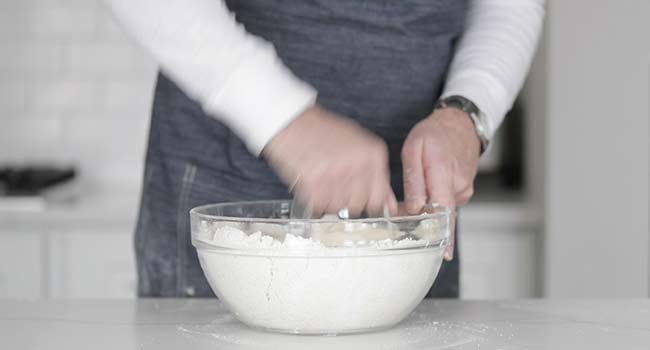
[561,205]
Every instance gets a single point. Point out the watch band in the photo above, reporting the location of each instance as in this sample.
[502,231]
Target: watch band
[475,114]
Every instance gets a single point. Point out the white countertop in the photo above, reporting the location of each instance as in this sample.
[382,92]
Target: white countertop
[441,324]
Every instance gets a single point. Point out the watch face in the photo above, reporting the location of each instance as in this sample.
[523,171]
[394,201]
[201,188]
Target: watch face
[456,103]
[470,108]
[465,104]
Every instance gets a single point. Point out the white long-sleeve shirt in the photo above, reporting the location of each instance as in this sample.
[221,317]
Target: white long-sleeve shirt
[239,78]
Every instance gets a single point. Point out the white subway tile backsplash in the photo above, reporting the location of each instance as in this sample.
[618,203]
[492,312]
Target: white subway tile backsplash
[35,57]
[108,28]
[64,95]
[128,95]
[29,139]
[13,25]
[31,4]
[74,88]
[103,145]
[62,24]
[105,59]
[12,98]
[74,4]
[100,134]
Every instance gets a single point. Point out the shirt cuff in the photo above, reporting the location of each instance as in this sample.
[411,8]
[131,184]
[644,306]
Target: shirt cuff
[487,93]
[260,98]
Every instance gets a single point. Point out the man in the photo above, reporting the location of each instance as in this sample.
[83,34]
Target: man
[334,99]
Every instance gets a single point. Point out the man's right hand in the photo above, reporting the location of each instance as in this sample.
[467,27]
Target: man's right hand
[331,163]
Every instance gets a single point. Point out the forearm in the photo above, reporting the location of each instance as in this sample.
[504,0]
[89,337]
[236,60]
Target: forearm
[494,54]
[236,77]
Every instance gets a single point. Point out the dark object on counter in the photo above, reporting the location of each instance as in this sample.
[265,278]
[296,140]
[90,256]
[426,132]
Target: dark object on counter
[23,181]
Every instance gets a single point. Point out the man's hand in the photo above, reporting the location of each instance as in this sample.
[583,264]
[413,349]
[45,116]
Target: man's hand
[331,163]
[440,159]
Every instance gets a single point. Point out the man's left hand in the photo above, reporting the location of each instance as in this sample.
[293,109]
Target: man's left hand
[440,159]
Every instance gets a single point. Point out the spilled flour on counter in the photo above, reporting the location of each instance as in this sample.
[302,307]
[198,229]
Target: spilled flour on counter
[300,285]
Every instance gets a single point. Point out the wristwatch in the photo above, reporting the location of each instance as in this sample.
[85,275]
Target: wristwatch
[478,118]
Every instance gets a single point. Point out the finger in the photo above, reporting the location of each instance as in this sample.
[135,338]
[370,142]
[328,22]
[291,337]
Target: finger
[358,200]
[440,186]
[415,194]
[318,205]
[339,197]
[401,210]
[391,203]
[440,190]
[378,195]
[449,250]
[332,187]
[464,196]
[308,191]
[302,204]
[316,191]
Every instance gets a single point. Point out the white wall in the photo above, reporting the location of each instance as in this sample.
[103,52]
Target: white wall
[597,92]
[73,88]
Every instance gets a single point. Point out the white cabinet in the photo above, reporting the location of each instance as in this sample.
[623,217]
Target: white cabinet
[67,263]
[498,265]
[21,261]
[79,248]
[499,251]
[97,263]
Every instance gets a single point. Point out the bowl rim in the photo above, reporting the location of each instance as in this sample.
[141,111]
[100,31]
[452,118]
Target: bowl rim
[333,252]
[438,211]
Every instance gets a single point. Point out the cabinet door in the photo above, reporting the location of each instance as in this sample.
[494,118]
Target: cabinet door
[21,255]
[498,264]
[92,264]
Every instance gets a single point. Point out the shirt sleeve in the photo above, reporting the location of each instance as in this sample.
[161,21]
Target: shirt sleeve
[237,77]
[494,55]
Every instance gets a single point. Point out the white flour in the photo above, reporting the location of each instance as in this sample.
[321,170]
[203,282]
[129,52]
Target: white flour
[300,285]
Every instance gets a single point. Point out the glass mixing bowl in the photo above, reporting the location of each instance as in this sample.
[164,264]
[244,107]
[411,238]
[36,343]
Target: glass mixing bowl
[318,276]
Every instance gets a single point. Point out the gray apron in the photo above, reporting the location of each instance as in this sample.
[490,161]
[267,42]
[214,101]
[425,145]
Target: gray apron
[381,63]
